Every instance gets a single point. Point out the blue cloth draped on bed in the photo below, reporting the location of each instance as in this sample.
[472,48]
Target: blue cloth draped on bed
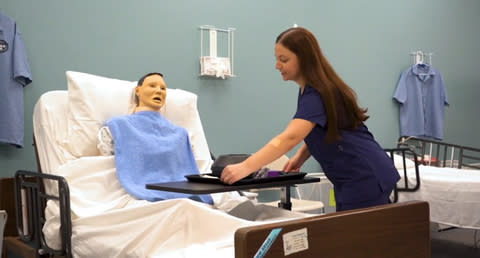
[150,149]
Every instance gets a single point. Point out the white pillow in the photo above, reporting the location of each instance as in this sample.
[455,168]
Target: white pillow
[92,100]
[398,161]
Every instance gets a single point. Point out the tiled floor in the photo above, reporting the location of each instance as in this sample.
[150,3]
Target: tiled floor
[455,243]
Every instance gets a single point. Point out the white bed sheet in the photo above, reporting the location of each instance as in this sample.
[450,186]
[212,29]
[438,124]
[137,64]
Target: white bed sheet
[453,194]
[107,222]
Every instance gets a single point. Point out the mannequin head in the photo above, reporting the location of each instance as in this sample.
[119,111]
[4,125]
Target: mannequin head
[150,93]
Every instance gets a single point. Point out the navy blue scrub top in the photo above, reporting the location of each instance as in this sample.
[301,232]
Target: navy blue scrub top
[357,165]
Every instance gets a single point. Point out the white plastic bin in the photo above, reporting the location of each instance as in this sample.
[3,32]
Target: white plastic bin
[302,194]
[321,191]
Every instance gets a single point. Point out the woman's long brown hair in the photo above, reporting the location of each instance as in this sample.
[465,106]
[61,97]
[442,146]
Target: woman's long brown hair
[319,74]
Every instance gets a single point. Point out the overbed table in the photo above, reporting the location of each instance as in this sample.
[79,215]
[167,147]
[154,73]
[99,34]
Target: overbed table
[188,187]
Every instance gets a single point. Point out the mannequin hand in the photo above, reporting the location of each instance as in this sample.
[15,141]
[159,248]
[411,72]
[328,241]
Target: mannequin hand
[235,172]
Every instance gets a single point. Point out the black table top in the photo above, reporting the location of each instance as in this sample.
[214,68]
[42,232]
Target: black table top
[207,188]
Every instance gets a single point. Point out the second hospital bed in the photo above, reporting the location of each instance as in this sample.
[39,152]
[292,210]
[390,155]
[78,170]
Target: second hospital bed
[447,176]
[88,214]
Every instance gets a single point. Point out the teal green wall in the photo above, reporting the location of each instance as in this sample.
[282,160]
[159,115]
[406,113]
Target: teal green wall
[367,42]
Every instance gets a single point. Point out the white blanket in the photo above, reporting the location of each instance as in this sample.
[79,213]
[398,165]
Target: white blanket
[453,195]
[107,222]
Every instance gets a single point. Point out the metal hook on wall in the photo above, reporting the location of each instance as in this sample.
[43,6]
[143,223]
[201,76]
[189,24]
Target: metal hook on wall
[419,57]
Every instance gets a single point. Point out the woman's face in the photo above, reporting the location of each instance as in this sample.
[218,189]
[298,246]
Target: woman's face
[287,63]
[152,93]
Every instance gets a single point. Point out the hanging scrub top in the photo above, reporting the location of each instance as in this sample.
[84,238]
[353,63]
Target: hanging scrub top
[421,93]
[14,75]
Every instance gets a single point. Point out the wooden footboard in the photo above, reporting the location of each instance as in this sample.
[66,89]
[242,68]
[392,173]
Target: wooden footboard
[392,230]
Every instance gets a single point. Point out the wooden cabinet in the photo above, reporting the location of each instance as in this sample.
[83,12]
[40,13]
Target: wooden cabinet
[7,202]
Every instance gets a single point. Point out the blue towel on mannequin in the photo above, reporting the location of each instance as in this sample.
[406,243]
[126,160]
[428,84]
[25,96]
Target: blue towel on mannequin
[150,149]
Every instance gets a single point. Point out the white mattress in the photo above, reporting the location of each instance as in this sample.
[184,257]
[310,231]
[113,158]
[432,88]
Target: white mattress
[453,195]
[107,222]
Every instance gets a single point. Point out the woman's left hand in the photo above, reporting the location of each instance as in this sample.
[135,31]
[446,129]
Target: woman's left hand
[235,172]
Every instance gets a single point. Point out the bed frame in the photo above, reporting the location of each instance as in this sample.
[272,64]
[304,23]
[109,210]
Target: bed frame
[395,230]
[392,230]
[29,186]
[32,183]
[31,241]
[431,153]
[441,154]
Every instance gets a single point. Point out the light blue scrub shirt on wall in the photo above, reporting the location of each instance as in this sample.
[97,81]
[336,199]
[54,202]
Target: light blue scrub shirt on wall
[358,167]
[422,96]
[14,75]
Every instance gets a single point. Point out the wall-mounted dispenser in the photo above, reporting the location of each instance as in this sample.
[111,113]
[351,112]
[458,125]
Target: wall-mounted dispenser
[219,61]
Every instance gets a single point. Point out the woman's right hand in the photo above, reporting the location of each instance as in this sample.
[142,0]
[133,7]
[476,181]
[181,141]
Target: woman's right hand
[233,173]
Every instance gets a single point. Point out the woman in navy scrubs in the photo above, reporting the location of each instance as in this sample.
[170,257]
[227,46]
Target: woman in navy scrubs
[331,125]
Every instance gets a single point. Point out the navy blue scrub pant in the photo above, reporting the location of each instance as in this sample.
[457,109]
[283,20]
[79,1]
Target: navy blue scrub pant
[383,199]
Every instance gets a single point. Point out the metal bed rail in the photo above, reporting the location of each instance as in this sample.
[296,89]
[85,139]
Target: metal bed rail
[441,154]
[31,184]
[405,153]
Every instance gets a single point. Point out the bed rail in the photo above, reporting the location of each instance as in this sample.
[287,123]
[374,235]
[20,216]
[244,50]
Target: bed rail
[31,184]
[405,153]
[441,154]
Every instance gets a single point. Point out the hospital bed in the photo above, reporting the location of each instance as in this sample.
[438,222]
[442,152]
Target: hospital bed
[74,206]
[447,176]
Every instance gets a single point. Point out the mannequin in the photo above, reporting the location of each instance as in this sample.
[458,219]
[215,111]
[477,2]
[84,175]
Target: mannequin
[147,147]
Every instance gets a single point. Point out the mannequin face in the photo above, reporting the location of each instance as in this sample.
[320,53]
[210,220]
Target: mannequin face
[151,94]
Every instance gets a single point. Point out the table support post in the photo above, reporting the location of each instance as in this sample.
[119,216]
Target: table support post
[285,199]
